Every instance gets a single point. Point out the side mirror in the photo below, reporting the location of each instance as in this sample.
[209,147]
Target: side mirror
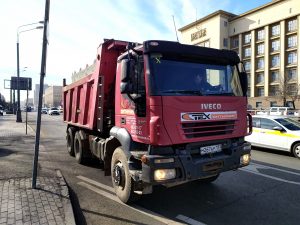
[125,88]
[244,82]
[278,128]
[127,68]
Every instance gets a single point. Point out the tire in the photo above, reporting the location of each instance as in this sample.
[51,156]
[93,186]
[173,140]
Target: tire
[79,148]
[296,150]
[121,179]
[207,180]
[70,140]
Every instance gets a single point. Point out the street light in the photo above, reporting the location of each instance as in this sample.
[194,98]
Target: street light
[19,117]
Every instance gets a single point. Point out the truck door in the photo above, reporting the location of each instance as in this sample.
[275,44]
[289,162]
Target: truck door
[133,103]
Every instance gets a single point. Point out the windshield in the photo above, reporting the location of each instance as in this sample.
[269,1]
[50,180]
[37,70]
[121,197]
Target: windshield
[171,77]
[289,123]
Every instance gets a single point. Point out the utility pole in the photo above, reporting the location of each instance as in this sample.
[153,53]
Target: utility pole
[42,75]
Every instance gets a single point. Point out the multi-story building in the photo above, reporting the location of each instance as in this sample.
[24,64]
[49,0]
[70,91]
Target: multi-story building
[267,40]
[36,94]
[53,96]
[83,72]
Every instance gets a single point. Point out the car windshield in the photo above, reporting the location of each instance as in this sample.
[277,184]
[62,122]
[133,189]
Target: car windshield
[174,77]
[289,123]
[54,108]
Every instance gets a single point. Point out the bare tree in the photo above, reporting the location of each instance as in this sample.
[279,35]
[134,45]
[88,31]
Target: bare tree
[287,89]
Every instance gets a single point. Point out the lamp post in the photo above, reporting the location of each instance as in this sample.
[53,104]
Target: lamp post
[19,117]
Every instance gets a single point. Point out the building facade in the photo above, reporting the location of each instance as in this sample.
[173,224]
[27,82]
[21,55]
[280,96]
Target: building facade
[89,69]
[267,40]
[36,94]
[53,96]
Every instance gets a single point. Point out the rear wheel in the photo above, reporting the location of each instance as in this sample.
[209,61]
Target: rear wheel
[121,179]
[296,150]
[70,140]
[79,148]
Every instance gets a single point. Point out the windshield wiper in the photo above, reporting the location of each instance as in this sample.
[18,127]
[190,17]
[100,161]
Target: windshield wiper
[193,92]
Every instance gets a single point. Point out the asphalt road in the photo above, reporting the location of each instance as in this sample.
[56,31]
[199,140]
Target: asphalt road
[265,192]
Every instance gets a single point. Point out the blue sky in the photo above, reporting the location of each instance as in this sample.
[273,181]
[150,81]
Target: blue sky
[77,28]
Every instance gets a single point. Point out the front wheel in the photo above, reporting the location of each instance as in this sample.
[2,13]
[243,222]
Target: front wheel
[296,150]
[122,182]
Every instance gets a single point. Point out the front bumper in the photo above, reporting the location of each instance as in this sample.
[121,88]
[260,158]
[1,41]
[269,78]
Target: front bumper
[191,166]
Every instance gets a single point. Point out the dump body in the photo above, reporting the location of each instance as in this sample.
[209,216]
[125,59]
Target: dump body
[85,98]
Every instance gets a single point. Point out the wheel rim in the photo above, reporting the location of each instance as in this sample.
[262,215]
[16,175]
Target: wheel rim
[119,175]
[297,151]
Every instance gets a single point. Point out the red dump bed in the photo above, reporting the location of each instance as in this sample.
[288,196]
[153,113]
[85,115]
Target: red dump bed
[88,101]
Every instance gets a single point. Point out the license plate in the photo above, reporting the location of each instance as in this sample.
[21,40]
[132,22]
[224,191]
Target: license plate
[210,149]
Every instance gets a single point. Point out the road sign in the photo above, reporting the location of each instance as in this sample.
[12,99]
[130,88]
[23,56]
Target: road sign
[24,83]
[7,84]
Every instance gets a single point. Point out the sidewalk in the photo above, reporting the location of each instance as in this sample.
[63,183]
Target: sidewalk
[19,203]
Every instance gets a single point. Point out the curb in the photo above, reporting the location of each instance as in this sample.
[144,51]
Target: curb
[68,209]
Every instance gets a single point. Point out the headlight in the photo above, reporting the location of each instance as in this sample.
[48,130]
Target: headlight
[245,159]
[164,174]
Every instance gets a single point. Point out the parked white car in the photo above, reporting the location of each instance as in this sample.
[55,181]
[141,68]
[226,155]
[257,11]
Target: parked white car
[53,111]
[44,110]
[276,132]
[278,111]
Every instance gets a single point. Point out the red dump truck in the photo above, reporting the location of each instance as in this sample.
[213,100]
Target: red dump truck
[146,114]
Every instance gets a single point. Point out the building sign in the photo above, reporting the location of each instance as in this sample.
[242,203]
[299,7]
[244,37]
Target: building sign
[199,34]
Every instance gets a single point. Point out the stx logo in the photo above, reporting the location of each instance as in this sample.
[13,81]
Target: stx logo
[194,116]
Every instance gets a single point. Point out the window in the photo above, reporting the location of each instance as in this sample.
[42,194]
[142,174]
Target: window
[275,30]
[247,65]
[292,41]
[255,122]
[204,44]
[249,79]
[260,49]
[274,76]
[267,124]
[274,90]
[260,78]
[292,74]
[273,103]
[247,52]
[260,35]
[235,42]
[275,61]
[247,38]
[260,63]
[292,57]
[275,46]
[258,105]
[225,23]
[260,91]
[248,92]
[292,25]
[225,42]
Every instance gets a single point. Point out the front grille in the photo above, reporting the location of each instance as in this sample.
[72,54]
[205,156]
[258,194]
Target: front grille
[207,128]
